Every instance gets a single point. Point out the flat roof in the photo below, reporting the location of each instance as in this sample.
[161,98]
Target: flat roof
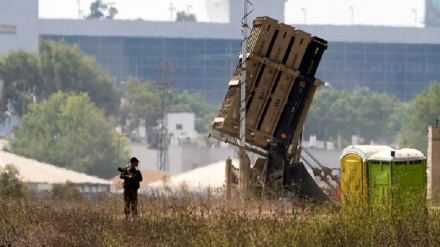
[33,171]
[205,30]
[364,151]
[404,154]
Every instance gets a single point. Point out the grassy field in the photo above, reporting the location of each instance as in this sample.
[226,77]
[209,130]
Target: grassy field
[207,220]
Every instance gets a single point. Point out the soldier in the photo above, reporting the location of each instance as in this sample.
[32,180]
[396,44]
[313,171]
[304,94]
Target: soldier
[132,178]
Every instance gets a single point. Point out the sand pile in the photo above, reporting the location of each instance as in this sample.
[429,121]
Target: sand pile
[210,176]
[198,180]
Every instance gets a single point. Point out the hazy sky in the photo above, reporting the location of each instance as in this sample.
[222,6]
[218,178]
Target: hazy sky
[337,12]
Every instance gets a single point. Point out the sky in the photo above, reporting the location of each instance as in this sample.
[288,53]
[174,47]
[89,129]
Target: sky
[334,12]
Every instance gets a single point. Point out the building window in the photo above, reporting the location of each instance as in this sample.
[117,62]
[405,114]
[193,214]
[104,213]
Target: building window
[179,127]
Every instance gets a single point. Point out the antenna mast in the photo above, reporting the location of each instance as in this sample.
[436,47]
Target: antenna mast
[244,159]
[79,9]
[164,68]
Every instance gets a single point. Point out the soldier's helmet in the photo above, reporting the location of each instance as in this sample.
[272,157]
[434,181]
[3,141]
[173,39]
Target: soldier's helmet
[134,159]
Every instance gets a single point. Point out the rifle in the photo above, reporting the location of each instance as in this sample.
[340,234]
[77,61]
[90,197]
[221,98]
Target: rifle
[129,183]
[122,171]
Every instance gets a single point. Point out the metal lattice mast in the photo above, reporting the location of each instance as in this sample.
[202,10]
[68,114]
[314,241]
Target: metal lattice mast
[164,69]
[163,162]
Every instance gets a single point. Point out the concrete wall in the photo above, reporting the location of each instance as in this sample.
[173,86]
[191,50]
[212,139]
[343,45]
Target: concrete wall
[433,162]
[181,126]
[185,158]
[181,158]
[18,25]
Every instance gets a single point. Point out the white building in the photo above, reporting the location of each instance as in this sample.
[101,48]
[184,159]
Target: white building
[41,177]
[181,127]
[19,25]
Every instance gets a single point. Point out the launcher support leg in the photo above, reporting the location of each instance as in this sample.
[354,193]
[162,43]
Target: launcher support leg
[245,168]
[228,175]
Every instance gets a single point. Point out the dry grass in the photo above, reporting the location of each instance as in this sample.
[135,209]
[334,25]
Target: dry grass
[206,220]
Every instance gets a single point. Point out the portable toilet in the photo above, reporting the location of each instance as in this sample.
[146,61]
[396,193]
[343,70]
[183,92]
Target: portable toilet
[396,173]
[354,180]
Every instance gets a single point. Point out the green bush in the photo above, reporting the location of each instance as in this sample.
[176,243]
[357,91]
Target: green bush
[10,184]
[66,191]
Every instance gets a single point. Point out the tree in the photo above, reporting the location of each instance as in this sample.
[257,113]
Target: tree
[140,105]
[64,68]
[101,10]
[363,112]
[327,117]
[182,16]
[68,130]
[187,102]
[420,112]
[29,77]
[142,101]
[21,80]
[372,114]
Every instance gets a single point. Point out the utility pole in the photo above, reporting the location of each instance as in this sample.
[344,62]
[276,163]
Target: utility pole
[164,69]
[305,15]
[244,159]
[163,163]
[352,15]
[414,11]
[79,9]
[171,9]
[187,9]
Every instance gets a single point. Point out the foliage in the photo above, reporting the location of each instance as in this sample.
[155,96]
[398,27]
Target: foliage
[187,102]
[363,112]
[66,191]
[142,104]
[10,184]
[371,113]
[327,116]
[209,220]
[29,77]
[182,16]
[101,10]
[67,130]
[21,80]
[420,112]
[65,68]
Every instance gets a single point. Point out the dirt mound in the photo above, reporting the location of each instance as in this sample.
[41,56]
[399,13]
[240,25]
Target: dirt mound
[209,176]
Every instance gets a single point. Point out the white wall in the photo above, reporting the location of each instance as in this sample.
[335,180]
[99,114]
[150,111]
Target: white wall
[181,126]
[19,25]
[185,158]
[181,158]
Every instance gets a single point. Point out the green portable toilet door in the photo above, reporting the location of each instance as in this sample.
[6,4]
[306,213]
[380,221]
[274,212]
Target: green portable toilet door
[410,177]
[379,180]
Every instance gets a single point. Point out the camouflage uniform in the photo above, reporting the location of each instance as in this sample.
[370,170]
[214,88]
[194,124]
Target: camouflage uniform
[131,187]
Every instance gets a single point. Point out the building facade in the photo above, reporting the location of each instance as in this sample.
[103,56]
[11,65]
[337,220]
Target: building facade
[398,61]
[201,57]
[18,25]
